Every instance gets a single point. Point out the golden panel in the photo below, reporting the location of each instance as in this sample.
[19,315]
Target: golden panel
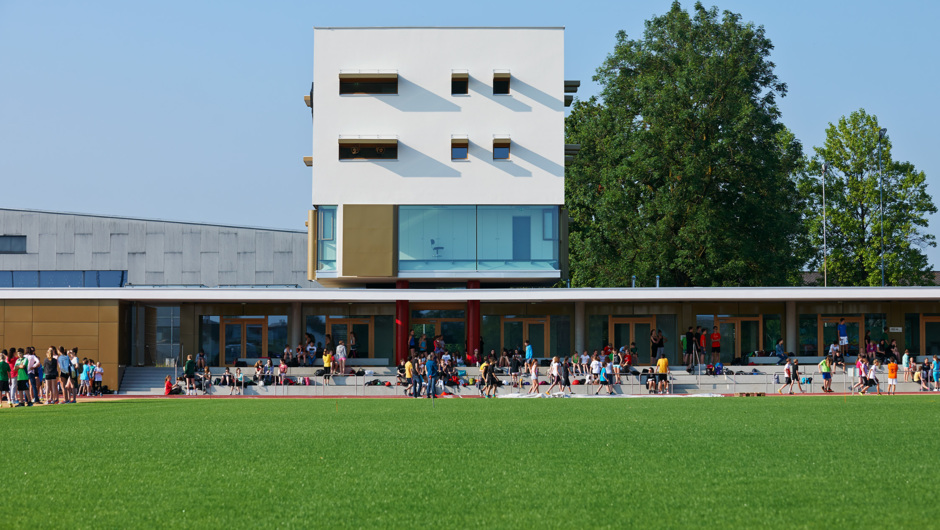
[18,334]
[18,311]
[65,329]
[108,341]
[65,311]
[41,342]
[369,240]
[110,376]
[108,311]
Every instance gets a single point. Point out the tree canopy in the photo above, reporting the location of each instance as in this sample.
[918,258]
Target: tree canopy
[853,208]
[685,169]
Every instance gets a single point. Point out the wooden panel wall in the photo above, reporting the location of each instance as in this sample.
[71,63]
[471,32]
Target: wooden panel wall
[90,325]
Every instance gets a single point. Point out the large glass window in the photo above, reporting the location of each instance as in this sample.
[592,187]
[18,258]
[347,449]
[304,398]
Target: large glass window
[598,333]
[12,244]
[209,337]
[63,279]
[773,331]
[277,333]
[483,238]
[809,336]
[326,238]
[560,336]
[911,332]
[168,332]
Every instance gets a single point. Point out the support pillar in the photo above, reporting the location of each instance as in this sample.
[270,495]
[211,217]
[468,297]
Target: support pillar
[296,324]
[402,312]
[792,341]
[579,327]
[473,320]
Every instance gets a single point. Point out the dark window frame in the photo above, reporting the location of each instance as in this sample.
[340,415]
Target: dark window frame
[368,151]
[368,86]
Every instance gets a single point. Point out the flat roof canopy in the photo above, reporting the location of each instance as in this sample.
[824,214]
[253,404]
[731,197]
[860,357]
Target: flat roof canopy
[650,294]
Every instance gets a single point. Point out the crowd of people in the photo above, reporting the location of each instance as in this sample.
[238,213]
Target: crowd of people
[60,378]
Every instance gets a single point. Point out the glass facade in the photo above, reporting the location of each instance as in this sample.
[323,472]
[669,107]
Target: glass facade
[167,332]
[809,335]
[326,238]
[481,238]
[62,279]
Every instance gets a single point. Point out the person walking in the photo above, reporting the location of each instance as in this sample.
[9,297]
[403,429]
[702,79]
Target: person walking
[871,379]
[534,374]
[432,374]
[554,372]
[189,372]
[792,375]
[566,375]
[826,370]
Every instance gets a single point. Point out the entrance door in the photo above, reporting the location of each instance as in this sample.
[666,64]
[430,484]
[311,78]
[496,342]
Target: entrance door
[626,330]
[930,336]
[518,330]
[243,339]
[828,332]
[344,329]
[740,336]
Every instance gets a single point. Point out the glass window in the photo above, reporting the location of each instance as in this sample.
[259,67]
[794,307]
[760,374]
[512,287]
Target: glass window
[459,149]
[368,152]
[459,85]
[316,327]
[773,331]
[911,333]
[501,151]
[277,333]
[501,85]
[368,86]
[809,335]
[512,238]
[209,337]
[436,238]
[560,336]
[12,244]
[490,332]
[875,324]
[384,331]
[6,278]
[597,333]
[167,331]
[669,324]
[108,279]
[26,279]
[61,279]
[326,238]
[438,313]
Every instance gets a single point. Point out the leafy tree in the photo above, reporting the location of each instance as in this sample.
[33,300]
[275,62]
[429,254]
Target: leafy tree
[853,208]
[685,169]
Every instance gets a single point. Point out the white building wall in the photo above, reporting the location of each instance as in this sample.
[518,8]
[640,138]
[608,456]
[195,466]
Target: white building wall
[424,116]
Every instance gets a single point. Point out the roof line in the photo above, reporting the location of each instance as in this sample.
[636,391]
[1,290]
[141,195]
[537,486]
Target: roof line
[439,27]
[100,216]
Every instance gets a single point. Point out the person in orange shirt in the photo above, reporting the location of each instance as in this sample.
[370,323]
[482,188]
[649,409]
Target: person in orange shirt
[892,376]
[716,345]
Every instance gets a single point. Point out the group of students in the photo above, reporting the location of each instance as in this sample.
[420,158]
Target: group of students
[26,380]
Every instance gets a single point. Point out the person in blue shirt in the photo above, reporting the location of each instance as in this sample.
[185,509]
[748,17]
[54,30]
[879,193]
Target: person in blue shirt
[528,352]
[430,368]
[843,337]
[781,356]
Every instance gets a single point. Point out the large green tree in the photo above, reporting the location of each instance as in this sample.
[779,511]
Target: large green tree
[853,209]
[685,170]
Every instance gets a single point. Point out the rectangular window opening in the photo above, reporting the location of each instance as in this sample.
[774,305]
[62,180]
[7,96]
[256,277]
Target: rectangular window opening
[368,86]
[501,83]
[368,151]
[12,244]
[459,149]
[501,150]
[459,84]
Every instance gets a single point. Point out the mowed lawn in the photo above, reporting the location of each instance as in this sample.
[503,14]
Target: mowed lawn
[784,462]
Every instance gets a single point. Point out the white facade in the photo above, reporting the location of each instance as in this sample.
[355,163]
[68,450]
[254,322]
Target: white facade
[424,116]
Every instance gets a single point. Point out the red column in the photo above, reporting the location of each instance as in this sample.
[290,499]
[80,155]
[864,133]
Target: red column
[473,319]
[401,324]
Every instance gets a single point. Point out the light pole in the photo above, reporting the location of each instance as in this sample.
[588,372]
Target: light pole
[825,168]
[881,178]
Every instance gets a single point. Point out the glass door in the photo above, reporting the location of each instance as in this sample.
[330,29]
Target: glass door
[828,332]
[930,336]
[356,334]
[243,338]
[535,330]
[729,341]
[626,330]
[740,337]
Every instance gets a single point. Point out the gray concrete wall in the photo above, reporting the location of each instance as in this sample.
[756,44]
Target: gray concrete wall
[157,252]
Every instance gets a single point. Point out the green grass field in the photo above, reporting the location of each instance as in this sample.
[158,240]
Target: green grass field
[819,462]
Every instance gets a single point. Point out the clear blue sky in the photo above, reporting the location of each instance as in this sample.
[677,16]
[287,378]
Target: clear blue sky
[194,110]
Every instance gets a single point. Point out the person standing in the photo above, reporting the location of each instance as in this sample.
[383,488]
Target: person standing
[189,372]
[826,370]
[534,374]
[5,376]
[716,345]
[936,373]
[22,382]
[484,386]
[417,377]
[431,370]
[50,371]
[554,371]
[65,369]
[843,337]
[514,365]
[595,370]
[654,345]
[689,347]
[353,345]
[566,375]
[340,358]
[99,376]
[892,376]
[529,354]
[32,371]
[662,374]
[409,373]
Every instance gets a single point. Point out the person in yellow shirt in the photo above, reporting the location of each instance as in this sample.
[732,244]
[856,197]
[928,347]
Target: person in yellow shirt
[662,373]
[327,366]
[409,370]
[484,385]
